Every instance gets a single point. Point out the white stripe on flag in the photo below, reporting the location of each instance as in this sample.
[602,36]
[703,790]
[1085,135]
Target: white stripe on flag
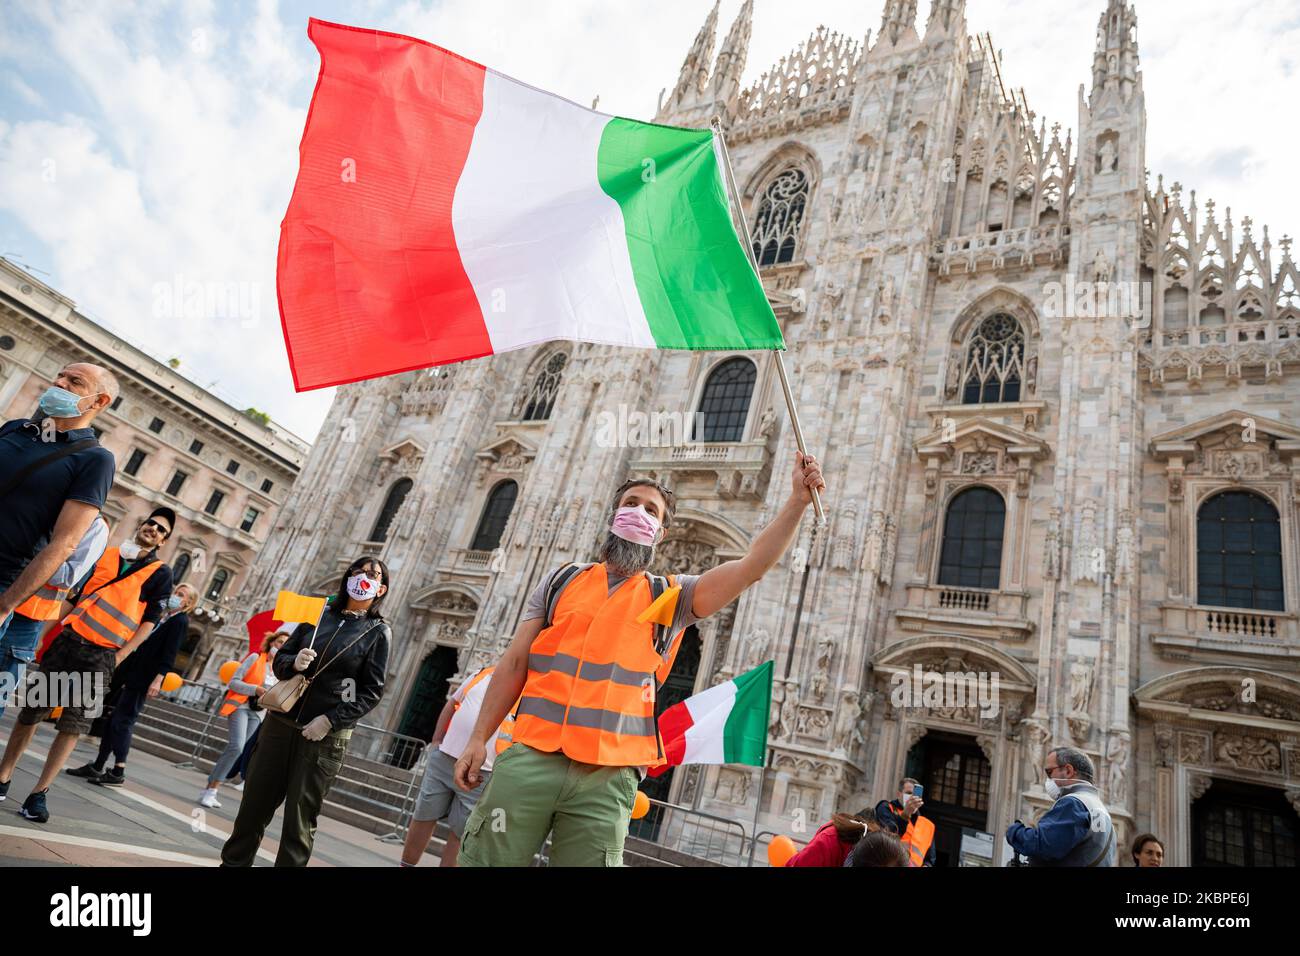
[709,712]
[543,245]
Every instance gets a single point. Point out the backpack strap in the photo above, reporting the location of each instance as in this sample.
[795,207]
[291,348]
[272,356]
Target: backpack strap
[558,581]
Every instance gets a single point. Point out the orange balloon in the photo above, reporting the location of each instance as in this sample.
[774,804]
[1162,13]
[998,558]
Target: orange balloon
[172,682]
[54,714]
[640,806]
[780,850]
[228,671]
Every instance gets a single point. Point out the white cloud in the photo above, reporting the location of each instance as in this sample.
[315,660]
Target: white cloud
[184,158]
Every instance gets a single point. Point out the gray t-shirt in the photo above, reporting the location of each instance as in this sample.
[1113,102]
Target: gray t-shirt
[683,617]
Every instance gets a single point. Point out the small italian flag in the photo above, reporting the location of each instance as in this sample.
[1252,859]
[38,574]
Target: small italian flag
[724,724]
[444,211]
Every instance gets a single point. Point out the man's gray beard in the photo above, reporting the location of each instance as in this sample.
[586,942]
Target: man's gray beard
[625,557]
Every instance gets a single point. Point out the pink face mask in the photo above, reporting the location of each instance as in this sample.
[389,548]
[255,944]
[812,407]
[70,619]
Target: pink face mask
[636,525]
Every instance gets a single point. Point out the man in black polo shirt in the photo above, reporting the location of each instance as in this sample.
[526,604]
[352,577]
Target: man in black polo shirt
[47,509]
[54,479]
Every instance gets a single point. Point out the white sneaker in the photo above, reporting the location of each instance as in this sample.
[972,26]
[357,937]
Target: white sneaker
[240,786]
[208,798]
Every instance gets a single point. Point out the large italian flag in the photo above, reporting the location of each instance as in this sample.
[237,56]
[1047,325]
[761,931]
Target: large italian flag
[725,724]
[443,211]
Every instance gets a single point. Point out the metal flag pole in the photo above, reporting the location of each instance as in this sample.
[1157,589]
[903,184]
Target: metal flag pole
[739,215]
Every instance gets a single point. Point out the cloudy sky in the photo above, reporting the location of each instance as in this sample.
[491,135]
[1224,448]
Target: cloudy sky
[146,146]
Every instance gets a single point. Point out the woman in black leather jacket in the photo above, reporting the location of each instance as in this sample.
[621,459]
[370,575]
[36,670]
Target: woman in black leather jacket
[298,754]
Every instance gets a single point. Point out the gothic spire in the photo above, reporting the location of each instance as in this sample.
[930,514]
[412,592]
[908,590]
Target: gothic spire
[944,13]
[1115,64]
[731,58]
[899,16]
[695,71]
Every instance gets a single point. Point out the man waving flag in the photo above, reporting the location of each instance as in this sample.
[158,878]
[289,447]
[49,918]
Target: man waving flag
[444,211]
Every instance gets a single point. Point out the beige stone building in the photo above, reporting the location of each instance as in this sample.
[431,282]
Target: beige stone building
[1056,399]
[176,444]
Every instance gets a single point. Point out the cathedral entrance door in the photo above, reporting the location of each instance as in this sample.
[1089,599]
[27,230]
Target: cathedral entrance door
[955,774]
[423,706]
[679,686]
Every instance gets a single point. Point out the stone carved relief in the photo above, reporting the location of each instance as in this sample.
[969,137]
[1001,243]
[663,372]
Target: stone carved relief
[1052,546]
[813,721]
[1117,753]
[1193,748]
[1081,683]
[755,650]
[822,668]
[1246,752]
[732,786]
[1086,543]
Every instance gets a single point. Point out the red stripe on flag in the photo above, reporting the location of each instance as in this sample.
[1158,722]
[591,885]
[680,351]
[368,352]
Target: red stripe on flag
[673,724]
[369,278]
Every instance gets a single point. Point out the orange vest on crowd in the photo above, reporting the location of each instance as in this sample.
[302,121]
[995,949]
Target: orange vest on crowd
[590,690]
[109,613]
[44,604]
[256,674]
[918,836]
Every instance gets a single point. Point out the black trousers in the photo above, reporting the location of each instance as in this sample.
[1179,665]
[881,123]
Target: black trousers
[285,768]
[121,724]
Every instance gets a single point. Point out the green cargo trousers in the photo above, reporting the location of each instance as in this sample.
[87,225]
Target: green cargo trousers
[284,767]
[585,808]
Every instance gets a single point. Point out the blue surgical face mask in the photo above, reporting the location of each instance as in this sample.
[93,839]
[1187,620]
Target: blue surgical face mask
[173,602]
[60,403]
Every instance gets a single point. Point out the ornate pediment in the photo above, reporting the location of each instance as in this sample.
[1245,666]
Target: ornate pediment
[508,455]
[1233,444]
[402,460]
[980,435]
[1224,695]
[447,599]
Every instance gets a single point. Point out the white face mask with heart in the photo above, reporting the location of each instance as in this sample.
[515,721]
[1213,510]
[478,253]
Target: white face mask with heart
[362,588]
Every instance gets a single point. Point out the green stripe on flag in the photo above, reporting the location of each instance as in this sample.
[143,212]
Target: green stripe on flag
[744,739]
[695,282]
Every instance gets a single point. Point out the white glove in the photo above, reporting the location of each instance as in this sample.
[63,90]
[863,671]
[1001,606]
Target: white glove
[317,728]
[304,659]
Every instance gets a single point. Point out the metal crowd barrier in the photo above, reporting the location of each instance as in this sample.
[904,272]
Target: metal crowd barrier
[392,749]
[693,833]
[197,695]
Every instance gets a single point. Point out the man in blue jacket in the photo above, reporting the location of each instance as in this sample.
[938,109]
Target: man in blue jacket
[1077,830]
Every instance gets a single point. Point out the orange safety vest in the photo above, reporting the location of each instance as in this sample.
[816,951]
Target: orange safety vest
[256,674]
[44,604]
[590,690]
[919,836]
[111,610]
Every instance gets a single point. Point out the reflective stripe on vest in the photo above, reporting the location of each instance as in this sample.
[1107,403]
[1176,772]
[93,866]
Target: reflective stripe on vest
[919,836]
[110,616]
[255,676]
[590,690]
[44,604]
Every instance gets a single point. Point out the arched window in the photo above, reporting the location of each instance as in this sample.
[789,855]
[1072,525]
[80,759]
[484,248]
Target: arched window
[972,540]
[1239,552]
[396,495]
[219,581]
[495,515]
[780,214]
[994,366]
[535,405]
[724,406]
[180,567]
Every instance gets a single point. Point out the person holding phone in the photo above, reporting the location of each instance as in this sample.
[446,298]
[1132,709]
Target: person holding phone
[904,814]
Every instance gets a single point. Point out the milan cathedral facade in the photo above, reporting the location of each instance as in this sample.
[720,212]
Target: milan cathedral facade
[1055,399]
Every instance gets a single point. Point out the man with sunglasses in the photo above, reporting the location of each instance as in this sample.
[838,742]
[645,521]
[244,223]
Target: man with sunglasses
[1077,830]
[119,607]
